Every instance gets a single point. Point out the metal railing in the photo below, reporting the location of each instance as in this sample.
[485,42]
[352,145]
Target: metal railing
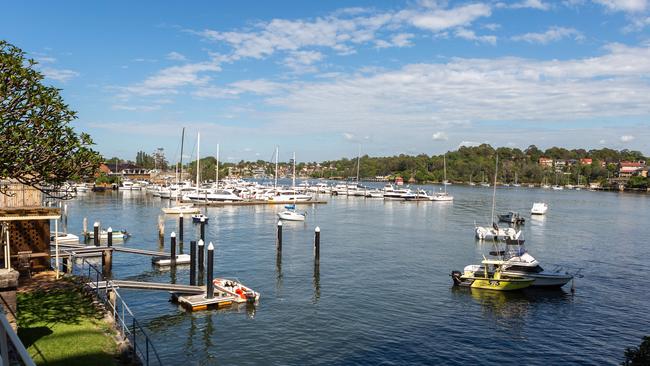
[127,324]
[12,350]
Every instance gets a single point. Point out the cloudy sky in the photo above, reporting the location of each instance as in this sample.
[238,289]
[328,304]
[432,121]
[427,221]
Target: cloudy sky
[322,78]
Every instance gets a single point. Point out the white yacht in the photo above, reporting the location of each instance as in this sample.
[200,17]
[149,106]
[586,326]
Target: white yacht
[217,195]
[391,193]
[288,195]
[539,208]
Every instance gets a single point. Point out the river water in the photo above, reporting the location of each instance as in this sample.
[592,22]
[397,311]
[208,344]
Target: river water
[382,292]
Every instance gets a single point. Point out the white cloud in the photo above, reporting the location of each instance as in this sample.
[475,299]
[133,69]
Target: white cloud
[399,40]
[348,136]
[134,108]
[439,136]
[166,81]
[468,143]
[471,36]
[627,138]
[628,6]
[602,141]
[175,56]
[492,26]
[552,34]
[302,61]
[441,19]
[62,75]
[533,4]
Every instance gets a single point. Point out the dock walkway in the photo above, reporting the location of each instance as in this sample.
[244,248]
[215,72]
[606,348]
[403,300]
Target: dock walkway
[184,289]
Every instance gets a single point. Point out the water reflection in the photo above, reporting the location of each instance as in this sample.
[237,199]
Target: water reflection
[316,282]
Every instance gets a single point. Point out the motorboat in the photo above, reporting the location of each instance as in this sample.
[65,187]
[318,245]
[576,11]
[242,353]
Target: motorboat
[496,233]
[167,260]
[391,193]
[539,208]
[288,195]
[374,193]
[512,218]
[442,196]
[490,276]
[64,238]
[290,214]
[220,195]
[182,209]
[518,262]
[557,188]
[242,293]
[196,218]
[117,235]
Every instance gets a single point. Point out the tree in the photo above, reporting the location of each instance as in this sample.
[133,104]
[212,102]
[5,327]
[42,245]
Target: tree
[38,147]
[638,356]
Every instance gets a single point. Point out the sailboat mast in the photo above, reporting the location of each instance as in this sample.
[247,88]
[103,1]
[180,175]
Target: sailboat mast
[217,173]
[181,163]
[494,192]
[293,183]
[358,161]
[277,150]
[198,161]
[444,167]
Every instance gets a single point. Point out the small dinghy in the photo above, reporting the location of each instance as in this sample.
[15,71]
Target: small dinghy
[512,218]
[184,209]
[196,218]
[117,235]
[237,289]
[165,261]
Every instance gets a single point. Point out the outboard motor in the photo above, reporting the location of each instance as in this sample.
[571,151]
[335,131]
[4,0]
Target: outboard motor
[455,275]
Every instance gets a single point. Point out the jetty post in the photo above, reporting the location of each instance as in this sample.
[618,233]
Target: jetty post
[109,239]
[209,288]
[96,233]
[161,231]
[107,254]
[180,233]
[201,261]
[203,229]
[172,244]
[192,263]
[317,244]
[85,228]
[279,240]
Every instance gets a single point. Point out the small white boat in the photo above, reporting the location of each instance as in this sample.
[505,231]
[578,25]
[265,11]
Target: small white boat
[196,218]
[557,188]
[441,196]
[292,215]
[539,208]
[64,238]
[103,235]
[167,261]
[183,209]
[237,289]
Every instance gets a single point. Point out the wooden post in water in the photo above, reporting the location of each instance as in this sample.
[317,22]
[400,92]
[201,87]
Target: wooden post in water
[317,244]
[64,265]
[161,231]
[202,230]
[172,247]
[192,263]
[96,233]
[109,239]
[180,232]
[85,228]
[209,287]
[200,258]
[279,240]
[107,261]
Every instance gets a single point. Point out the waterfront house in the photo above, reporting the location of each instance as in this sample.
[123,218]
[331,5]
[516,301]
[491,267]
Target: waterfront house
[545,162]
[586,161]
[627,169]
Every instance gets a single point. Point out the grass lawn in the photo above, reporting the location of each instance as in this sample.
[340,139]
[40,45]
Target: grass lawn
[59,325]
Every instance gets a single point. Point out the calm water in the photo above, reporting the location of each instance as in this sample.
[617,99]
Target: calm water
[382,293]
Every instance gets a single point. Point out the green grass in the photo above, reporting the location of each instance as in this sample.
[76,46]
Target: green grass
[62,327]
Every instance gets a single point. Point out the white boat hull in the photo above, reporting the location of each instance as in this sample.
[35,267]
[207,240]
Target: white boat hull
[167,261]
[291,216]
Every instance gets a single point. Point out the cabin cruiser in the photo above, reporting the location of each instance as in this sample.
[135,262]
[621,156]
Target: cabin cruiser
[539,208]
[512,218]
[374,193]
[286,195]
[391,193]
[518,262]
[490,276]
[219,195]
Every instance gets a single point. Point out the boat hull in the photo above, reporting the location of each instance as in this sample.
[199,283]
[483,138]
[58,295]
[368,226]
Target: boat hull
[500,284]
[544,280]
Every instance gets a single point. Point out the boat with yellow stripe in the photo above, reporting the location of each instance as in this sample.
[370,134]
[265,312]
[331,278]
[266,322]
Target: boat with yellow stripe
[489,276]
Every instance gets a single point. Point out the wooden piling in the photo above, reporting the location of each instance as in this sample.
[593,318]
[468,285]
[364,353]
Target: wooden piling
[203,229]
[180,231]
[96,233]
[107,262]
[279,239]
[172,247]
[317,243]
[193,262]
[85,228]
[109,233]
[209,286]
[161,231]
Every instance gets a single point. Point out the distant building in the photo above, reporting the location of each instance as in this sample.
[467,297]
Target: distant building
[545,162]
[560,163]
[399,181]
[586,161]
[627,169]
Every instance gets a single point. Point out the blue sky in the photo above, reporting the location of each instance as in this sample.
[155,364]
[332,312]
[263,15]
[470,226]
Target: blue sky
[320,78]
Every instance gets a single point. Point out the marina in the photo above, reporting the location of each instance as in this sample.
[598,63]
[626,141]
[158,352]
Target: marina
[395,243]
